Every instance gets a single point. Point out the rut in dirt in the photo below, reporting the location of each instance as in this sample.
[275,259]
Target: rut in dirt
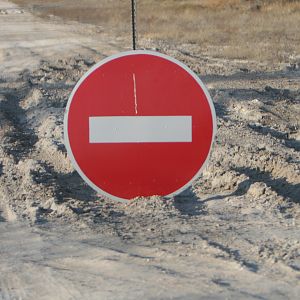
[19,141]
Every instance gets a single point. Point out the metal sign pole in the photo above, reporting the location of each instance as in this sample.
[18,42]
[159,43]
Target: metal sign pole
[133,16]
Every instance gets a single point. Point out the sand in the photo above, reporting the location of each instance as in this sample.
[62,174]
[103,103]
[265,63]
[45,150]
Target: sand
[234,234]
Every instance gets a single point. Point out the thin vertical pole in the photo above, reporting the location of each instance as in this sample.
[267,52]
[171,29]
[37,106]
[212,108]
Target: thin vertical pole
[133,16]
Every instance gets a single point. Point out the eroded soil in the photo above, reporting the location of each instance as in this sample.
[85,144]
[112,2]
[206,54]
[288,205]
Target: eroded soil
[234,234]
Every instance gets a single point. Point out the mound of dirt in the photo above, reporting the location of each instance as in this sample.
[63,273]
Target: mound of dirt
[241,217]
[255,162]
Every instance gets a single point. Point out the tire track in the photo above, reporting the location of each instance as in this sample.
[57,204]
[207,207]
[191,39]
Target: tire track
[19,141]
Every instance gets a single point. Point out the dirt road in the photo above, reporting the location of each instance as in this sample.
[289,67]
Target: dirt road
[234,235]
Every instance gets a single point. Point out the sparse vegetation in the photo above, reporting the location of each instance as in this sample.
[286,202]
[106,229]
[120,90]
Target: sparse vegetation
[262,30]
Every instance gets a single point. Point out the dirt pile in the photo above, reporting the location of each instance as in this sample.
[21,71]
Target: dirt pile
[233,234]
[253,176]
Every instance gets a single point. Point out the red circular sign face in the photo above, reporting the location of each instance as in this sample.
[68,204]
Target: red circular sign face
[139,124]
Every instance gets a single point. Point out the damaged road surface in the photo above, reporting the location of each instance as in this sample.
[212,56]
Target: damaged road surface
[234,234]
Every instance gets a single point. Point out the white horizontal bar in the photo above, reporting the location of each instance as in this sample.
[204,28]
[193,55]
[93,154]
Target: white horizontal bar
[136,129]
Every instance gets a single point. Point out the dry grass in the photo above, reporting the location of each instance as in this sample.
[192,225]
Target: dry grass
[262,30]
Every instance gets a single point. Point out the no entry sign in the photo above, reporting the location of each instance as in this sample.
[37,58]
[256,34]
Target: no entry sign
[139,123]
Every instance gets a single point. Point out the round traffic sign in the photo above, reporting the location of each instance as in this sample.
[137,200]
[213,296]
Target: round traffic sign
[139,123]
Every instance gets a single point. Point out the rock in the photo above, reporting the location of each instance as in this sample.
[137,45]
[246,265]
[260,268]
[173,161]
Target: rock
[257,189]
[48,204]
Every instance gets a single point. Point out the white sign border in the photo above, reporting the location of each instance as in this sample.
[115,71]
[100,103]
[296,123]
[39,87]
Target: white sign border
[116,56]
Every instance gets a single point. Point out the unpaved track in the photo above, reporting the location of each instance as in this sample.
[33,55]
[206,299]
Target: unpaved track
[234,235]
[25,39]
[60,263]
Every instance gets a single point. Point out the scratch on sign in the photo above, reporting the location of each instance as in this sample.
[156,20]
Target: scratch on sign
[135,97]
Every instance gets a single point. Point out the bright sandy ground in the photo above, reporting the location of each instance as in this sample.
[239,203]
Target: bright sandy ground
[234,235]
